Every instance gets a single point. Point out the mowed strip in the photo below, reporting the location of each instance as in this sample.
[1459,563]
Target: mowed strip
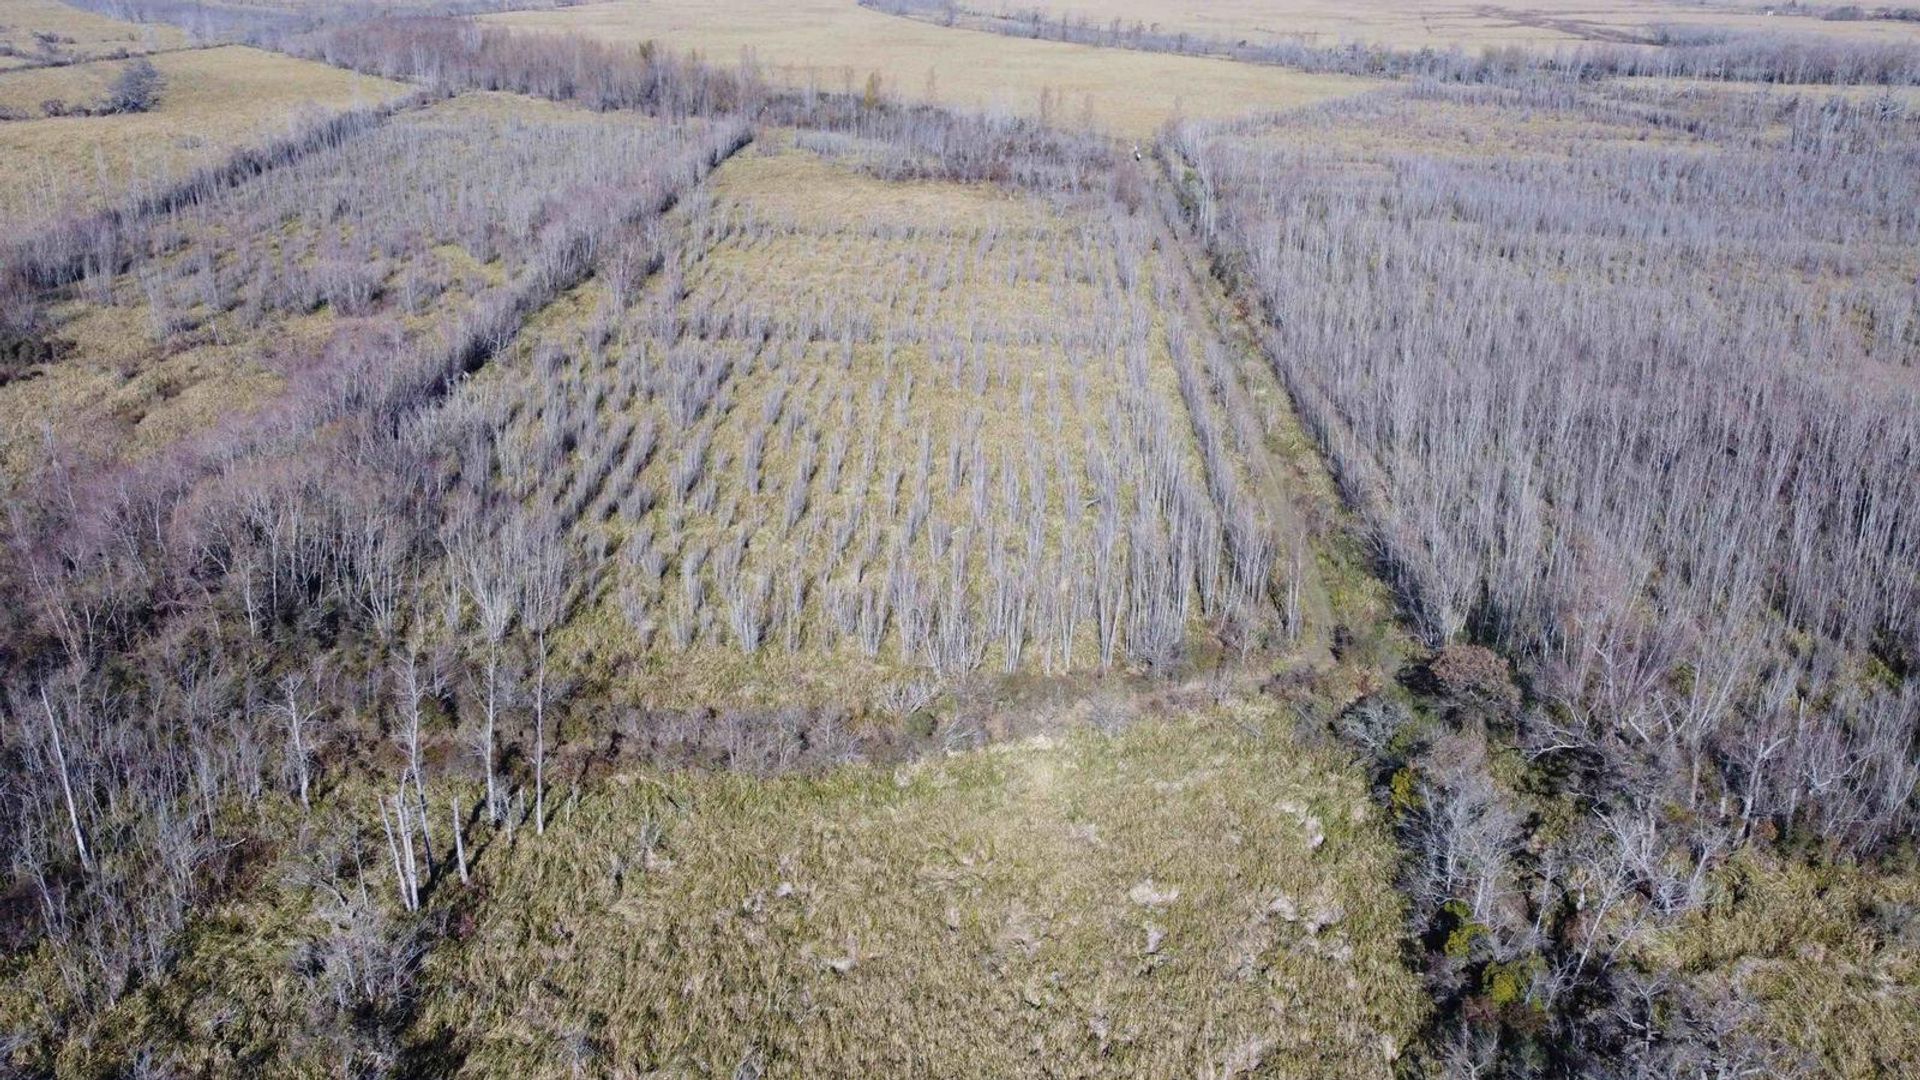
[212,102]
[837,46]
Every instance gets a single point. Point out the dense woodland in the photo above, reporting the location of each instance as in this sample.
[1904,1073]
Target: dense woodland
[1638,413]
[1625,396]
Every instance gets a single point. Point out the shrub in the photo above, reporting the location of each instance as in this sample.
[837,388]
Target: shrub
[1459,929]
[135,90]
[1405,788]
[1474,676]
[1509,982]
[1382,728]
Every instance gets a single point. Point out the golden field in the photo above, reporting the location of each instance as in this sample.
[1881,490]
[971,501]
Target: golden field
[835,45]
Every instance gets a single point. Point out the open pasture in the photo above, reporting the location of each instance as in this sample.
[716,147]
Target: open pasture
[835,45]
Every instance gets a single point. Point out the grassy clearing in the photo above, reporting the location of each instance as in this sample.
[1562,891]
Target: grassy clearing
[1197,894]
[1150,904]
[836,46]
[1441,23]
[47,31]
[1826,956]
[213,101]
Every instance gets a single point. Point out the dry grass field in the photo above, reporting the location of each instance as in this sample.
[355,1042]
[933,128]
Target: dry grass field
[212,102]
[34,32]
[1154,903]
[1442,23]
[1192,894]
[835,45]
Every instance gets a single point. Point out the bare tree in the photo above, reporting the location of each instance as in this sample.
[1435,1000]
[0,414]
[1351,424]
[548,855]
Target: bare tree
[544,562]
[299,748]
[66,781]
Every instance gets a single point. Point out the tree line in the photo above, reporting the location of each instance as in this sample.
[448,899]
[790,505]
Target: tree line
[1687,51]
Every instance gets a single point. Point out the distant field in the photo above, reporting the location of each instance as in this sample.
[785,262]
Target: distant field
[835,45]
[47,31]
[212,102]
[1537,23]
[1906,96]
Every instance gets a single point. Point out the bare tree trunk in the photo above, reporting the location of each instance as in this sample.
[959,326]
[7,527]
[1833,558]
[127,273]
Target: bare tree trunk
[66,783]
[459,840]
[415,688]
[296,730]
[540,740]
[493,711]
[404,825]
[393,848]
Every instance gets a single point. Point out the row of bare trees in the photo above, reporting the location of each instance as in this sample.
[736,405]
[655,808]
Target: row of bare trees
[239,618]
[803,456]
[1691,51]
